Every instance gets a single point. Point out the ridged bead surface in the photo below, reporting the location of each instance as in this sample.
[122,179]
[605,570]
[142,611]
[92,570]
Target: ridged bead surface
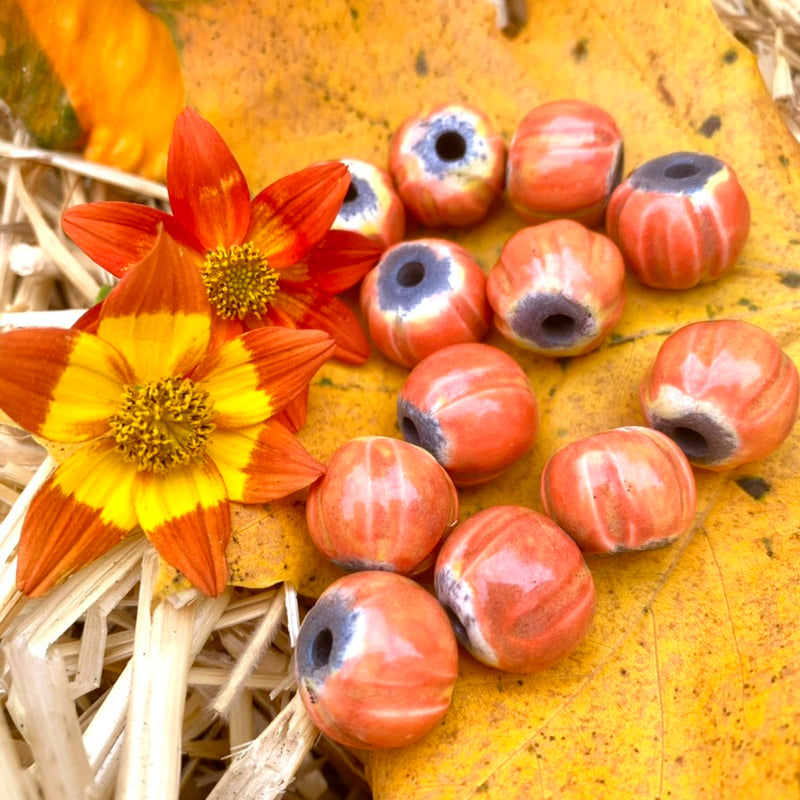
[557,288]
[382,504]
[376,661]
[723,390]
[516,588]
[624,489]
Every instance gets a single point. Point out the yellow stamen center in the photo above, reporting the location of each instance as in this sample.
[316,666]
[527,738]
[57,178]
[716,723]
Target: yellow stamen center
[163,424]
[239,281]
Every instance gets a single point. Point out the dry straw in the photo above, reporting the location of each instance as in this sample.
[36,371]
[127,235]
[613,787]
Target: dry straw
[105,693]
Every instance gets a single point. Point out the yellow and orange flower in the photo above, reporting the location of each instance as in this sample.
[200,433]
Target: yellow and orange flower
[269,261]
[169,429]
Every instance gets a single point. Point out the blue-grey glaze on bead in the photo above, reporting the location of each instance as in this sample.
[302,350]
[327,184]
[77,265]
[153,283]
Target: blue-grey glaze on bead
[703,441]
[676,173]
[332,620]
[552,321]
[408,274]
[421,430]
[364,201]
[475,148]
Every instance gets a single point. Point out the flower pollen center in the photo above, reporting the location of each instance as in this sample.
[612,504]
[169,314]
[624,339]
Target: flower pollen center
[239,281]
[163,423]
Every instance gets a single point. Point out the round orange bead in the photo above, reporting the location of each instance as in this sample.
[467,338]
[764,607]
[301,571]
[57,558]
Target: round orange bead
[723,390]
[371,206]
[679,220]
[448,165]
[516,588]
[564,161]
[473,408]
[624,489]
[424,295]
[382,504]
[376,661]
[557,289]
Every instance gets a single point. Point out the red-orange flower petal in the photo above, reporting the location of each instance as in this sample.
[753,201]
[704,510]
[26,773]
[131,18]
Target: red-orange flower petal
[308,307]
[292,215]
[81,512]
[207,188]
[254,376]
[262,462]
[60,384]
[114,234]
[341,260]
[186,515]
[158,315]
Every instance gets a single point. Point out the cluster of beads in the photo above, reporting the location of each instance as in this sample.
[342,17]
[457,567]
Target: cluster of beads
[377,656]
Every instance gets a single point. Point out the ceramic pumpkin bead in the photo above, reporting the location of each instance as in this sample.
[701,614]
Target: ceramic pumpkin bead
[424,295]
[382,504]
[564,161]
[376,661]
[473,408]
[448,165]
[371,206]
[625,489]
[516,589]
[679,220]
[557,288]
[723,390]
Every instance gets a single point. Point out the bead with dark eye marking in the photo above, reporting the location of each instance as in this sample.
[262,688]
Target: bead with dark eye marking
[472,407]
[679,220]
[376,661]
[448,165]
[564,161]
[371,206]
[516,588]
[557,288]
[723,390]
[382,504]
[424,295]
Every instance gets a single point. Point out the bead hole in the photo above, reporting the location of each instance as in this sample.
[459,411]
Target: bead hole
[352,193]
[680,170]
[693,444]
[559,327]
[321,648]
[411,274]
[450,146]
[410,432]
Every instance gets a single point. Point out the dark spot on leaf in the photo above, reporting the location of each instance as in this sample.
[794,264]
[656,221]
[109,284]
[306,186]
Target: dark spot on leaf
[564,362]
[755,487]
[729,56]
[790,279]
[784,160]
[484,787]
[665,93]
[421,64]
[324,382]
[580,50]
[748,304]
[710,126]
[767,542]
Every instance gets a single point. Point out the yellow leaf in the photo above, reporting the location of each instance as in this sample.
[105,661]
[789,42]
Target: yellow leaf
[689,683]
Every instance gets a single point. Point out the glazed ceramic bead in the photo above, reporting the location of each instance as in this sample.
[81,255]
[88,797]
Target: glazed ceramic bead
[679,220]
[424,295]
[723,390]
[371,206]
[473,408]
[448,165]
[624,489]
[376,661]
[564,161]
[382,504]
[516,589]
[557,288]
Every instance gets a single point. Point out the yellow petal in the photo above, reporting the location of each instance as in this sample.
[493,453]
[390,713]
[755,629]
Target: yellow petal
[81,512]
[60,384]
[186,515]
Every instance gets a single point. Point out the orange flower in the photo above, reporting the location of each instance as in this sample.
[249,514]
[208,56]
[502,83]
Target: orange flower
[169,430]
[267,261]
